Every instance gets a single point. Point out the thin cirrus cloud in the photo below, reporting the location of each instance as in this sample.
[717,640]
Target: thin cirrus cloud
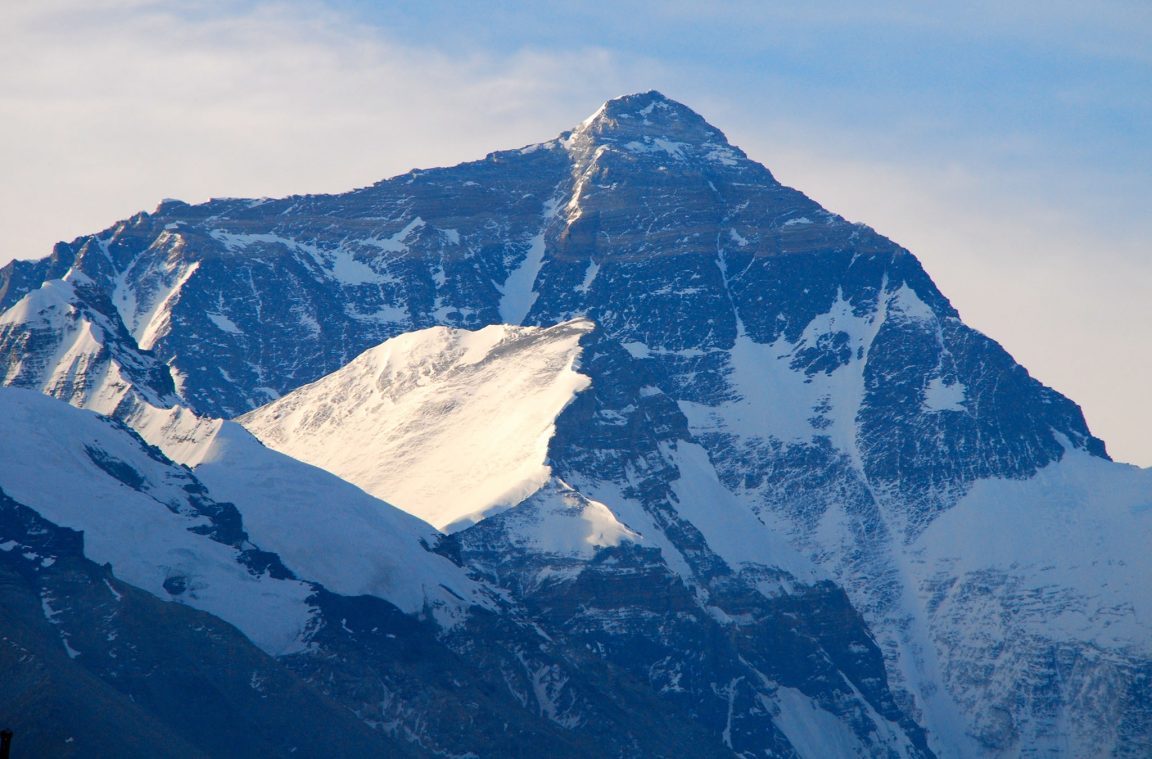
[1007,145]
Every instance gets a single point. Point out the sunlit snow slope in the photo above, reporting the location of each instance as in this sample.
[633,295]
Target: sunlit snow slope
[156,521]
[447,424]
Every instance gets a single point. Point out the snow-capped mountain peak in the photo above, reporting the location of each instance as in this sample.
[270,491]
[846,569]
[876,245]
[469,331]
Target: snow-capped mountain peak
[772,399]
[651,126]
[647,114]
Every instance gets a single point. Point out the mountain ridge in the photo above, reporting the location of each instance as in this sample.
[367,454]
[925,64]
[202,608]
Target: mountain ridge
[757,361]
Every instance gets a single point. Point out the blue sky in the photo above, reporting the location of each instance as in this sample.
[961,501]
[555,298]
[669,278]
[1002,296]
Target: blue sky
[1009,147]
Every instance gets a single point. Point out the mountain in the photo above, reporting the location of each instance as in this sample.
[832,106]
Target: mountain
[400,652]
[169,531]
[825,516]
[413,418]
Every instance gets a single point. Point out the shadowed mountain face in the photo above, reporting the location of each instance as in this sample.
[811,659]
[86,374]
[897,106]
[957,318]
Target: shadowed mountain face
[766,379]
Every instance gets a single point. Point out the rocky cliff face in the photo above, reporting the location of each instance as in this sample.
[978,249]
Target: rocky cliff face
[732,629]
[770,385]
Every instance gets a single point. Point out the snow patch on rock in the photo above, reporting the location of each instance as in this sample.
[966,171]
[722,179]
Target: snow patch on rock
[940,396]
[559,521]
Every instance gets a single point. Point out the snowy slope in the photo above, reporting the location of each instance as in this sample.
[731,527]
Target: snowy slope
[145,516]
[557,521]
[76,348]
[1045,582]
[422,413]
[447,424]
[94,666]
[68,341]
[332,532]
